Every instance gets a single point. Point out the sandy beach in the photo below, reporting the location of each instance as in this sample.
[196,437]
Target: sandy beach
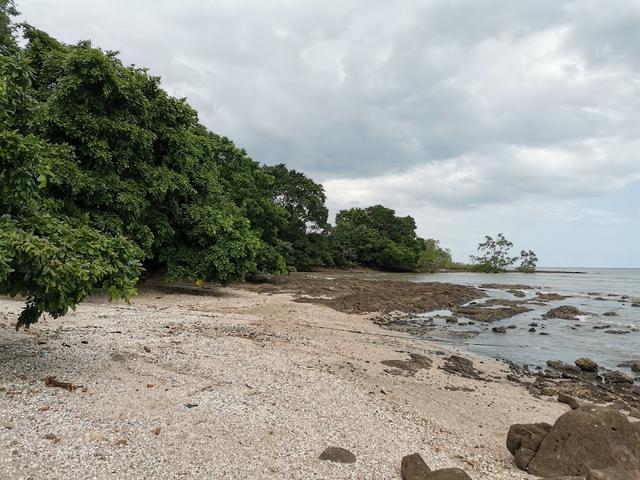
[243,382]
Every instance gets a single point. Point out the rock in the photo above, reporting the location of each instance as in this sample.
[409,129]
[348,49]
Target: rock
[566,312]
[533,324]
[461,366]
[516,293]
[594,442]
[499,330]
[634,365]
[617,332]
[448,474]
[337,454]
[635,304]
[523,441]
[563,367]
[586,364]
[614,377]
[544,333]
[569,400]
[550,297]
[532,329]
[413,467]
[512,327]
[610,314]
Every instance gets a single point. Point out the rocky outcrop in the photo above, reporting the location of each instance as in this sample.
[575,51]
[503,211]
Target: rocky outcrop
[566,312]
[413,467]
[595,443]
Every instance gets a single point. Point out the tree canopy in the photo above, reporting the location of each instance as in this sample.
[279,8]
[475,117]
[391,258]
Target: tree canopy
[104,174]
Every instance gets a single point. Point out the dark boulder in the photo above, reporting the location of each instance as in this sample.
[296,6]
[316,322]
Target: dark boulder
[499,330]
[596,443]
[413,467]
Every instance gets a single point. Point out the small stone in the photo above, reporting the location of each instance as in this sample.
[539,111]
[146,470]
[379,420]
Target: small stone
[532,329]
[610,314]
[617,332]
[499,330]
[337,454]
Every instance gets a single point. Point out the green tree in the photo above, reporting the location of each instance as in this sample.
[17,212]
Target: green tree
[433,257]
[494,255]
[375,237]
[306,227]
[528,261]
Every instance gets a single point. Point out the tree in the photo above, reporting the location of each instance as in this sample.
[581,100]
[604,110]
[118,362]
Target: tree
[375,237]
[494,255]
[528,261]
[433,257]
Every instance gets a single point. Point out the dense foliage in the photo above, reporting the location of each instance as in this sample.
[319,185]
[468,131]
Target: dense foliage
[377,238]
[102,172]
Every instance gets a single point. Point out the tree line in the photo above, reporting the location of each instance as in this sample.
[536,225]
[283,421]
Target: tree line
[104,176]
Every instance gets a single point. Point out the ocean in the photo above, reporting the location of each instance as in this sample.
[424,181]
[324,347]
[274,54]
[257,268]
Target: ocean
[594,291]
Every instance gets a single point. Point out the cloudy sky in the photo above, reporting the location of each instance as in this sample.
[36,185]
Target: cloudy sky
[474,116]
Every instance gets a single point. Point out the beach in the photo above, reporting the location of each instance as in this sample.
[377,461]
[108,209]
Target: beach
[236,382]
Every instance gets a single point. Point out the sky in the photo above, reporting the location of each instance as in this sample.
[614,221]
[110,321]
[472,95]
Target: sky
[473,116]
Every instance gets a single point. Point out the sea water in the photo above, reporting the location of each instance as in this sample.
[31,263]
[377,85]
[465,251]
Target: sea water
[594,291]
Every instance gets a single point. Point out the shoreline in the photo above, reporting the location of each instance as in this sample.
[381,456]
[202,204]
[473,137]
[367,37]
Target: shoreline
[239,382]
[212,382]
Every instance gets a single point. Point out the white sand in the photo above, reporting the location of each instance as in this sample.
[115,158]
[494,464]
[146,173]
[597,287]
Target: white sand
[275,382]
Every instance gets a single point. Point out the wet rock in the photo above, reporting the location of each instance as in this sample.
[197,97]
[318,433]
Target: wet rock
[489,313]
[586,364]
[544,333]
[533,324]
[589,442]
[512,327]
[413,467]
[563,367]
[499,330]
[566,312]
[610,314]
[600,327]
[532,329]
[635,304]
[337,454]
[516,293]
[615,377]
[634,365]
[550,297]
[617,332]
